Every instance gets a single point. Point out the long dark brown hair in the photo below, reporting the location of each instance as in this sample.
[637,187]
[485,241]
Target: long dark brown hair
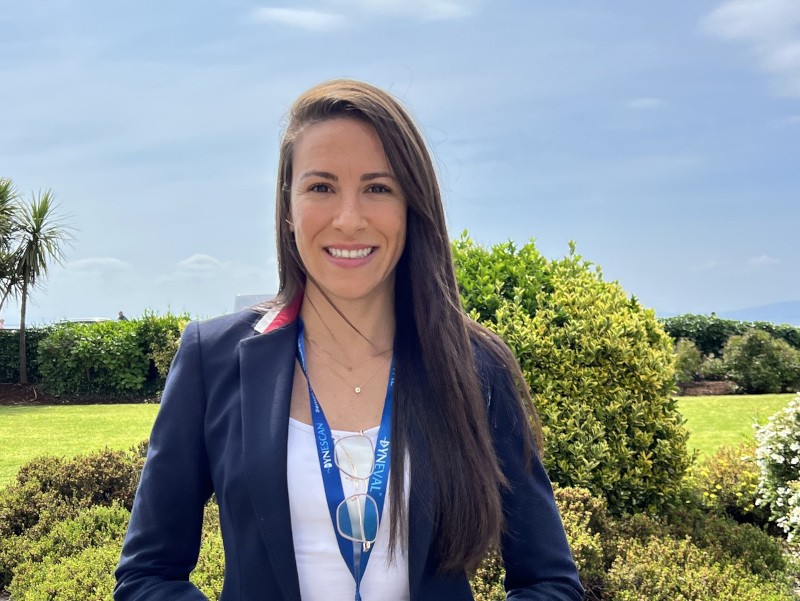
[440,400]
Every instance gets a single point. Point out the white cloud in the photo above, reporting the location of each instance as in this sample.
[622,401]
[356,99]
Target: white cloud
[312,20]
[771,28]
[646,103]
[426,10]
[97,265]
[762,261]
[199,263]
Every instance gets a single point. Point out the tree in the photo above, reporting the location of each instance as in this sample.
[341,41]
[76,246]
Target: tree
[8,204]
[35,236]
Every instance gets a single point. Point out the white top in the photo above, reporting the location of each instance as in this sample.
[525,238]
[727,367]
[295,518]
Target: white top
[323,573]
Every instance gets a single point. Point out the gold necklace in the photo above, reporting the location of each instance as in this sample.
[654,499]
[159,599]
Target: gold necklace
[357,389]
[316,346]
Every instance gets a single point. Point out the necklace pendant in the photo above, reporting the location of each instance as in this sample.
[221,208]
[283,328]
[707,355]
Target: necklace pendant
[358,389]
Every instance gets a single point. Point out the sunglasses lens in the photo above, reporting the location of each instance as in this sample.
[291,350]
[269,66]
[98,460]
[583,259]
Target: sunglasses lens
[357,518]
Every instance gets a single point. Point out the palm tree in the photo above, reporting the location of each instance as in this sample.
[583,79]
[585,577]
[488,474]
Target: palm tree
[8,206]
[39,233]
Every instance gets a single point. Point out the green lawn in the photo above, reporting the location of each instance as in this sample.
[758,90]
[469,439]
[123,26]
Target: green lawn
[714,421]
[27,432]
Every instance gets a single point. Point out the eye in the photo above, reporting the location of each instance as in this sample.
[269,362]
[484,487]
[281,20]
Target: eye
[321,188]
[378,189]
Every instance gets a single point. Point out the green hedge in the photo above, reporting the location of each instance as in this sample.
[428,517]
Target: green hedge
[710,333]
[123,358]
[9,354]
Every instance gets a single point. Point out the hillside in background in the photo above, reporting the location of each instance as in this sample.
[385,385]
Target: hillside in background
[788,312]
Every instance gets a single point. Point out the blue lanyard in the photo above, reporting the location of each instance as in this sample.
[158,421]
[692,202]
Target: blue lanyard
[352,553]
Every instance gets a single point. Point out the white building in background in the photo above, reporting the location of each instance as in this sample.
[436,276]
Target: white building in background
[243,301]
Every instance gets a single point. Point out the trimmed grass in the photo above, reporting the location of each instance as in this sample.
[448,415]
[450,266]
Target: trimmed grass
[714,421]
[28,432]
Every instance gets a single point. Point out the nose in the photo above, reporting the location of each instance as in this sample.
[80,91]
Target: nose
[349,217]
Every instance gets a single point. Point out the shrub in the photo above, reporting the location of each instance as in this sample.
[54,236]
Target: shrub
[778,458]
[93,527]
[159,337]
[87,576]
[585,521]
[728,482]
[712,368]
[687,361]
[97,358]
[667,569]
[709,333]
[48,483]
[9,354]
[759,363]
[599,366]
[209,573]
[487,582]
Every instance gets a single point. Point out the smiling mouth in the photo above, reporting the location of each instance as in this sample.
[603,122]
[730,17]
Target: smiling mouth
[343,253]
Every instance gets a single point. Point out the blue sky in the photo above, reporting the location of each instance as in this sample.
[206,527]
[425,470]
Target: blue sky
[662,138]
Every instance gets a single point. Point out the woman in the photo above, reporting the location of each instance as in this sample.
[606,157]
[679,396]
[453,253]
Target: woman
[364,364]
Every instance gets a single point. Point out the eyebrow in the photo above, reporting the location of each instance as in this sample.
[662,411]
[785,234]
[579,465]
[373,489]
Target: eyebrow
[364,178]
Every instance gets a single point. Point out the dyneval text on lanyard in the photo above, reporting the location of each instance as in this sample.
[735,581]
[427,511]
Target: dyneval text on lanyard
[354,555]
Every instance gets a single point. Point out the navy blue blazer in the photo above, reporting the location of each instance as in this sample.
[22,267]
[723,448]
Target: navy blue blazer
[222,428]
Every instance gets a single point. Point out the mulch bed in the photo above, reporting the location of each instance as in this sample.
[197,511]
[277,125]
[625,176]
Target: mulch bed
[32,395]
[707,387]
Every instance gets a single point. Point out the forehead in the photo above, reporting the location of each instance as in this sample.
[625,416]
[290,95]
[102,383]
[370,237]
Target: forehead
[339,142]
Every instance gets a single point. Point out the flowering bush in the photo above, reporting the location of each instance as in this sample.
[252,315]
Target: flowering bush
[778,458]
[728,483]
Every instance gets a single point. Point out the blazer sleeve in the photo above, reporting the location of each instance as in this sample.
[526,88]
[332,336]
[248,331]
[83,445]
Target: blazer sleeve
[536,555]
[163,539]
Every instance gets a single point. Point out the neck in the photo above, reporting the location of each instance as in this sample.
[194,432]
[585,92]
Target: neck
[372,329]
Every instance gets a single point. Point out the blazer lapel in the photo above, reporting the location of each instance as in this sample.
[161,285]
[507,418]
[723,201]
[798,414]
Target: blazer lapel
[267,369]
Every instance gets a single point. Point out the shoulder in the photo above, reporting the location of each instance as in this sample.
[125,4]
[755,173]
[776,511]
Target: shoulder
[225,331]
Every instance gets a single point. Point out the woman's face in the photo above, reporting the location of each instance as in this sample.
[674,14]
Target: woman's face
[348,213]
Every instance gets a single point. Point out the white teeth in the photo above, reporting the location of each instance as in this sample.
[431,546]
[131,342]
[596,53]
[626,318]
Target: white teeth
[341,253]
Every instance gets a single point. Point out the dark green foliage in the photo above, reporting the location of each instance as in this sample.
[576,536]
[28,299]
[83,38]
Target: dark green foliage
[97,358]
[688,361]
[665,569]
[759,363]
[710,333]
[600,369]
[158,337]
[9,354]
[120,358]
[712,368]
